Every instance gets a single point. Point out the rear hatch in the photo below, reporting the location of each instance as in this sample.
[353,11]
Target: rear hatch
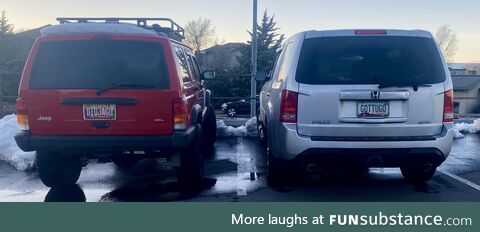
[104,86]
[370,86]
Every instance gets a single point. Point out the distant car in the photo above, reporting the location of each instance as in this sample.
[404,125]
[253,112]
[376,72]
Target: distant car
[232,109]
[358,99]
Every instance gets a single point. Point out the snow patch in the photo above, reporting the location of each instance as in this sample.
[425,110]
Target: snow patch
[248,130]
[9,151]
[470,128]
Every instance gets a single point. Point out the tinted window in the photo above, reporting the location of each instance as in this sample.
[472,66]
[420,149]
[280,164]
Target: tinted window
[370,60]
[194,67]
[98,63]
[184,73]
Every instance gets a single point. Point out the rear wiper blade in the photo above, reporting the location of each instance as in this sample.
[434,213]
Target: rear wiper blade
[121,86]
[415,86]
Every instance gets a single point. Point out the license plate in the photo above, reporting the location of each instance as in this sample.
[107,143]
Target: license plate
[373,109]
[99,112]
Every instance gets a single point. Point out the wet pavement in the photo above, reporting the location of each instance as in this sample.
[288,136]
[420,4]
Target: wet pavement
[236,172]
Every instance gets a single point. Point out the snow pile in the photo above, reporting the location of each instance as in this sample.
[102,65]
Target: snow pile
[9,151]
[471,128]
[248,130]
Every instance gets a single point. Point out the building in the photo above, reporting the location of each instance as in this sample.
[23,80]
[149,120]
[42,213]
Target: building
[464,69]
[221,57]
[466,94]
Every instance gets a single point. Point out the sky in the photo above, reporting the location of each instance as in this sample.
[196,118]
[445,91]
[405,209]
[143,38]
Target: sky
[232,18]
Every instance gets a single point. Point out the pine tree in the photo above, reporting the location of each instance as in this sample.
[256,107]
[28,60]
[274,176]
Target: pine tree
[5,27]
[269,42]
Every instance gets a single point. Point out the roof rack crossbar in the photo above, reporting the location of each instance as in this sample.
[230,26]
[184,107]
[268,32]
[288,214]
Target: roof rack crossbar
[173,30]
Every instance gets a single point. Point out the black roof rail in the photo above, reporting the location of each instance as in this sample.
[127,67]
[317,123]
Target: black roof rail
[163,26]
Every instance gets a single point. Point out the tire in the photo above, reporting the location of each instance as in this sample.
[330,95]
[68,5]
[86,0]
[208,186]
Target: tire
[190,176]
[209,126]
[57,170]
[125,161]
[418,172]
[276,171]
[231,112]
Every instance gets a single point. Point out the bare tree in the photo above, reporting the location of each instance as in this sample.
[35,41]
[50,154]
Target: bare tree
[200,34]
[447,40]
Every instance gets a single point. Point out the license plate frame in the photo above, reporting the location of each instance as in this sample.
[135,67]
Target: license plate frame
[99,112]
[381,109]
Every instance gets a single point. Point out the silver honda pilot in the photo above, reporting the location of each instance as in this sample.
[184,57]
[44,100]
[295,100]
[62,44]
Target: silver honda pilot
[358,99]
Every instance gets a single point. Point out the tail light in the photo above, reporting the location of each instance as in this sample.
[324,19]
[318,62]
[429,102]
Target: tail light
[288,107]
[180,116]
[448,106]
[370,32]
[22,114]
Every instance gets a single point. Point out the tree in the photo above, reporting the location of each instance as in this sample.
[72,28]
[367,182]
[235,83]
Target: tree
[5,27]
[447,40]
[200,34]
[269,42]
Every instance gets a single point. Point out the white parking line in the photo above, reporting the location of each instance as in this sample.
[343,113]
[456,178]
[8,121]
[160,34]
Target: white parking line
[465,181]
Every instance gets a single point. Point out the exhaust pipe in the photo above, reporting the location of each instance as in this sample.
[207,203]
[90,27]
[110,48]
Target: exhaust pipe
[311,168]
[427,167]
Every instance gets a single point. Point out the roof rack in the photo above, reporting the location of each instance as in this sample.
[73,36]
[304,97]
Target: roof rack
[163,26]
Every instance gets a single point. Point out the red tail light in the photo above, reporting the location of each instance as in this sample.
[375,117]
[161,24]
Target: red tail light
[22,114]
[180,116]
[448,106]
[288,107]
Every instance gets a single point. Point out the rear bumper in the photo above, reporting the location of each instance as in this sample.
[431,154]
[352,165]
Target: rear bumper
[174,142]
[288,145]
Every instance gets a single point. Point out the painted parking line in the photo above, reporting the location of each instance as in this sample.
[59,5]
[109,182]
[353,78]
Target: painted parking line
[465,181]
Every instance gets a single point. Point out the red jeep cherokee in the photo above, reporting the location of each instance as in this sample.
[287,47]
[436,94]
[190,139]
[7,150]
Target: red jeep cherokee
[102,87]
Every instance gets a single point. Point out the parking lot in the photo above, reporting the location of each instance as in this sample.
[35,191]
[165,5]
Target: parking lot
[236,172]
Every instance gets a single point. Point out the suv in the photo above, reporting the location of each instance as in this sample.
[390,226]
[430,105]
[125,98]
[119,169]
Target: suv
[104,87]
[358,99]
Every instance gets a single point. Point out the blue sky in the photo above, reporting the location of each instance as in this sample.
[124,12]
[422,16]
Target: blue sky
[233,17]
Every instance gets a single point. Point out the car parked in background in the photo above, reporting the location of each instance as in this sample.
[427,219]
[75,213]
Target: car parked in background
[358,99]
[95,89]
[240,107]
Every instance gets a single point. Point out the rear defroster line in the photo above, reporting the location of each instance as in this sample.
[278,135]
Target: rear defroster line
[464,181]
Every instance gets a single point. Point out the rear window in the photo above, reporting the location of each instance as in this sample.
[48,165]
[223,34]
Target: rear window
[96,64]
[370,60]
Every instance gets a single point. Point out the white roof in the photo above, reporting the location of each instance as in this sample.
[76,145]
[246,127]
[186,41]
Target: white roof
[92,28]
[351,32]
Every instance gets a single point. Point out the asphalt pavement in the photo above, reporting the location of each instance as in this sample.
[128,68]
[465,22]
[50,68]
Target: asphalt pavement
[236,172]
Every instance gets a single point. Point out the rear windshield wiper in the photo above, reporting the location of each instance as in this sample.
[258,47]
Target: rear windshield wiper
[415,86]
[122,86]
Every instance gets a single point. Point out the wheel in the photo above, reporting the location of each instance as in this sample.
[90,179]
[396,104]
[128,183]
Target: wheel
[191,169]
[209,126]
[418,172]
[276,170]
[125,161]
[58,170]
[231,112]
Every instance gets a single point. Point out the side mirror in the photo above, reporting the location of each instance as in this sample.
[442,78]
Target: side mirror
[208,75]
[261,76]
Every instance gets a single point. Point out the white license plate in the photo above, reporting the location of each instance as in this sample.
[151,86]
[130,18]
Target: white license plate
[373,109]
[99,112]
